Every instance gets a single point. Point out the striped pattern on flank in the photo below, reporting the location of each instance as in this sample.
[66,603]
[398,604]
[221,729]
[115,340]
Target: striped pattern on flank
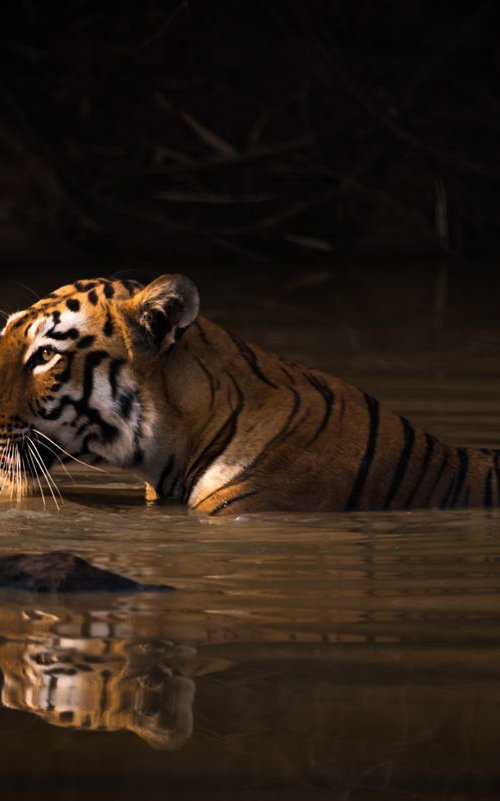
[463,458]
[401,467]
[326,393]
[430,444]
[251,359]
[215,447]
[366,461]
[437,480]
[282,434]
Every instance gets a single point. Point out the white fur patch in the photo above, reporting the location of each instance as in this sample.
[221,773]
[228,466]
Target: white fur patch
[216,476]
[36,329]
[42,368]
[11,319]
[39,328]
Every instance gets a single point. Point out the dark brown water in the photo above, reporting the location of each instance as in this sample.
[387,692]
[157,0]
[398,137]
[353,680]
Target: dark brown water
[345,657]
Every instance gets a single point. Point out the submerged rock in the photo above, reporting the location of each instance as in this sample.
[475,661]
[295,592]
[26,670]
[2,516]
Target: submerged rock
[60,571]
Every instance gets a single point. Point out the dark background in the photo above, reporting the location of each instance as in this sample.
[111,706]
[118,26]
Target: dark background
[271,131]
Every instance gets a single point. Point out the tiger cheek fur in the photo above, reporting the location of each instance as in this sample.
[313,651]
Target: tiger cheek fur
[124,371]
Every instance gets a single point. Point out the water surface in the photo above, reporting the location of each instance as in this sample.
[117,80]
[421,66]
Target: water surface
[340,656]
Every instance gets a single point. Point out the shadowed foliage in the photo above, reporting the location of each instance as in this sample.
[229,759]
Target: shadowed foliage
[304,128]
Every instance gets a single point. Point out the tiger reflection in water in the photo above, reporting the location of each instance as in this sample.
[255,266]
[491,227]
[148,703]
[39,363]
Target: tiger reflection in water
[89,676]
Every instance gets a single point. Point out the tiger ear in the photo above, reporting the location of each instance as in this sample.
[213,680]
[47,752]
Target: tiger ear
[157,316]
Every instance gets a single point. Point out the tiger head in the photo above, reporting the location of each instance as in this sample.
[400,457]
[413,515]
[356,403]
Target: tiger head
[74,370]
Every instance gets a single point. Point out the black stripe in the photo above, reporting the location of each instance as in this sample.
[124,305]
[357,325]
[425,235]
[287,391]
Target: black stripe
[130,286]
[79,286]
[103,697]
[265,451]
[202,334]
[81,428]
[436,481]
[126,401]
[138,457]
[109,291]
[251,359]
[402,465]
[108,431]
[450,498]
[446,497]
[288,375]
[167,469]
[115,366]
[463,457]
[359,482]
[488,488]
[210,378]
[55,413]
[138,451]
[92,360]
[65,375]
[73,304]
[71,333]
[92,296]
[226,504]
[326,393]
[86,342]
[496,468]
[108,325]
[429,449]
[215,447]
[30,318]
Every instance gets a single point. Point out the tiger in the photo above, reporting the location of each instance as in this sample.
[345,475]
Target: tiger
[83,673]
[124,370]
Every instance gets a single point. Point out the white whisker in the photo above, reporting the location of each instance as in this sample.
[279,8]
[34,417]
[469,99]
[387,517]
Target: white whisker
[44,445]
[45,473]
[15,473]
[8,479]
[35,473]
[33,467]
[74,458]
[5,476]
[11,471]
[21,477]
[44,467]
[18,474]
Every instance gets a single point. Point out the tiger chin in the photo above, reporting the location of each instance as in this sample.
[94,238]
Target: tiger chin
[125,371]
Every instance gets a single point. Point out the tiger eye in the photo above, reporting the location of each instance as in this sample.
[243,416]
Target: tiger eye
[46,354]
